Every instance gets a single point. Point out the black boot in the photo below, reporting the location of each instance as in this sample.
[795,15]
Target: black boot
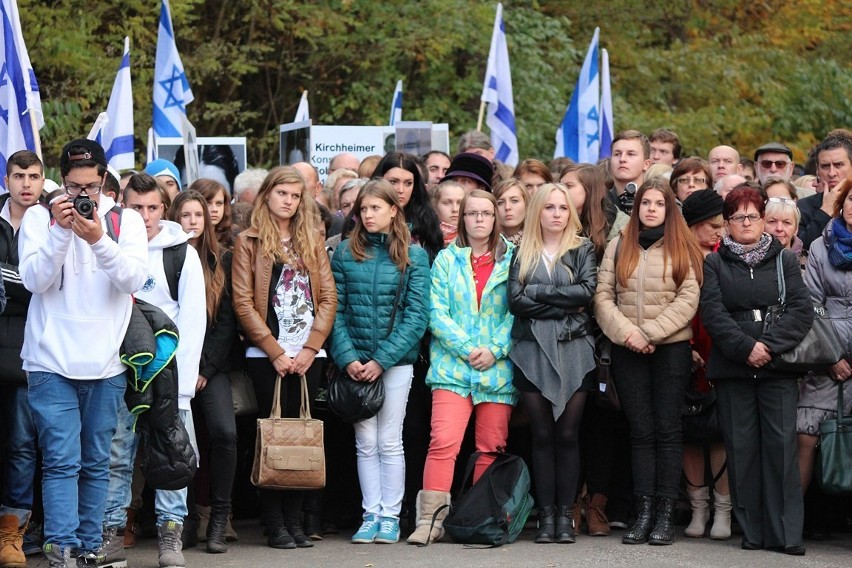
[189,535]
[663,532]
[641,527]
[294,527]
[546,525]
[277,535]
[216,542]
[565,525]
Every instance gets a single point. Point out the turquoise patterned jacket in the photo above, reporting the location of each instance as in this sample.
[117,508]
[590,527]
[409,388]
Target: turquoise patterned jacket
[458,326]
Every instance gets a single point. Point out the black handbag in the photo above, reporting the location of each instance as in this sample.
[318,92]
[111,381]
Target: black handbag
[817,351]
[700,417]
[353,401]
[834,466]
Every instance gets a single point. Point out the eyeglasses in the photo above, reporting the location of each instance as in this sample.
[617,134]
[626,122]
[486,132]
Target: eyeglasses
[477,214]
[684,180]
[779,164]
[91,189]
[784,200]
[739,219]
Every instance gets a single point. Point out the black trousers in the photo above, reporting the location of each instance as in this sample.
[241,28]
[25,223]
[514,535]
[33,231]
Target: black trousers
[651,388]
[759,427]
[216,428]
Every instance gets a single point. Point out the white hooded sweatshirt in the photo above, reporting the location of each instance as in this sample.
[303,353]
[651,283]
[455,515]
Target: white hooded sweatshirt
[189,312]
[81,300]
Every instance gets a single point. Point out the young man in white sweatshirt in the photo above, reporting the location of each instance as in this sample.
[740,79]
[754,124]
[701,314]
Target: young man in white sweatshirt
[81,282]
[146,196]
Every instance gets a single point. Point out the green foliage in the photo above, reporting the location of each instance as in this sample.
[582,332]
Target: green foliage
[717,71]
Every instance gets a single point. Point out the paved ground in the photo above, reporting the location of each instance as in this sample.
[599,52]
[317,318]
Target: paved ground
[338,552]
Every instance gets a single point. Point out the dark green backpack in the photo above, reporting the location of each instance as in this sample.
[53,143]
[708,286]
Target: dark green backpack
[494,510]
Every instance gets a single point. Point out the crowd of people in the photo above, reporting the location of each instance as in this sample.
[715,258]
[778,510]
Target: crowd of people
[471,290]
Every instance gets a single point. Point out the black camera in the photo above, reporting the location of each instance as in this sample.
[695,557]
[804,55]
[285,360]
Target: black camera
[85,206]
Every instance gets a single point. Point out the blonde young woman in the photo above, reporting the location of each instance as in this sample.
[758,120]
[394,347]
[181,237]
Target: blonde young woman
[285,301]
[446,199]
[647,295]
[371,342]
[551,285]
[470,372]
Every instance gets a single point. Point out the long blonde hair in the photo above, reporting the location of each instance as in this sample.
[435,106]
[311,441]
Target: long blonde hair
[304,225]
[532,245]
[399,238]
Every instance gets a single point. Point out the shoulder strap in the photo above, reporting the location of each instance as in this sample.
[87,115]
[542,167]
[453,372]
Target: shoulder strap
[396,300]
[173,259]
[113,221]
[782,286]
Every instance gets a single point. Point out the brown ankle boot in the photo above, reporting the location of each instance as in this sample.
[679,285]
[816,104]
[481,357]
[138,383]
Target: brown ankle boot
[596,519]
[130,529]
[12,542]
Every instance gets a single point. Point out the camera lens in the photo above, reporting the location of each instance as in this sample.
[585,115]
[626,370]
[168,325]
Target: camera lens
[84,207]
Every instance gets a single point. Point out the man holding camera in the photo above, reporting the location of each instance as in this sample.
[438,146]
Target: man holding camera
[81,281]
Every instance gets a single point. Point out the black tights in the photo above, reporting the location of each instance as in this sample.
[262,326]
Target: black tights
[555,448]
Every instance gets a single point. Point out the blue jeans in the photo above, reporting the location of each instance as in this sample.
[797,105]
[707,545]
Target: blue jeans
[169,505]
[75,421]
[19,471]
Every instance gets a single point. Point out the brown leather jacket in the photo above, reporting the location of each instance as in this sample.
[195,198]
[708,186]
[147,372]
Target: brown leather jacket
[251,275]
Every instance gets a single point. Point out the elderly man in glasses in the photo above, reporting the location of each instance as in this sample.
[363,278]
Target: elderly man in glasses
[773,160]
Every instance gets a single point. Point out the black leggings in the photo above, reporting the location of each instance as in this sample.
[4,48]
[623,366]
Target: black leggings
[555,447]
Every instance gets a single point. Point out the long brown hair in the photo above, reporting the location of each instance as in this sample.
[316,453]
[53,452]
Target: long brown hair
[304,225]
[209,189]
[399,237]
[208,249]
[594,218]
[679,246]
[494,239]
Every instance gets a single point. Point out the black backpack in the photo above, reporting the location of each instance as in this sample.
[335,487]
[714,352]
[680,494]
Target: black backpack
[494,510]
[173,256]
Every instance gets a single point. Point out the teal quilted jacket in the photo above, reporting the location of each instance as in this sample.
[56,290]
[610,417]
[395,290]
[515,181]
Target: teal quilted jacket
[458,325]
[365,296]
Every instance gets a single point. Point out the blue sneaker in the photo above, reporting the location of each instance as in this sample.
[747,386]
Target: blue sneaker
[388,531]
[367,532]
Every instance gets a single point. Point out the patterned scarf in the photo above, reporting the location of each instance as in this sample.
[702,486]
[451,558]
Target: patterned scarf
[839,241]
[450,233]
[752,254]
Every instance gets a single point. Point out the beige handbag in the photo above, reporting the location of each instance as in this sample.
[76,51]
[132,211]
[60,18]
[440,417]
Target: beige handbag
[289,452]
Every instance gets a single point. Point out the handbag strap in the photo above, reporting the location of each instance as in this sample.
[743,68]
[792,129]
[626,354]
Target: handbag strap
[276,399]
[839,401]
[782,283]
[304,409]
[396,300]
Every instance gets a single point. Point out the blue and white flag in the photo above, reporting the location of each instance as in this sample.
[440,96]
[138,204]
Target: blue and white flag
[20,102]
[578,136]
[303,113]
[396,104]
[606,127]
[116,135]
[497,93]
[171,89]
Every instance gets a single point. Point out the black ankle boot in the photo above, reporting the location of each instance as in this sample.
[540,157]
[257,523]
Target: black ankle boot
[279,537]
[546,525]
[641,527]
[216,526]
[294,527]
[189,534]
[565,525]
[663,532]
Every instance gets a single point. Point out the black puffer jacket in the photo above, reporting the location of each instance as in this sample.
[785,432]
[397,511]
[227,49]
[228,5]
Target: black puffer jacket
[730,289]
[14,317]
[148,350]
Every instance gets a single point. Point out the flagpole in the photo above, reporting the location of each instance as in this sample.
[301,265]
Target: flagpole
[36,137]
[481,114]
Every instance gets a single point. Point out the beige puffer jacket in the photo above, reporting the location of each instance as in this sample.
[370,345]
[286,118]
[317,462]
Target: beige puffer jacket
[659,309]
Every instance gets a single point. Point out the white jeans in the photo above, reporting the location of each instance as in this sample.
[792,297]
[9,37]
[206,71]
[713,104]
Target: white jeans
[378,445]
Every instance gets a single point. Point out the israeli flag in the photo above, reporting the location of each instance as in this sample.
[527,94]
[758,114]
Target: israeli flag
[497,93]
[303,113]
[606,126]
[578,137]
[19,94]
[116,135]
[171,89]
[396,104]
